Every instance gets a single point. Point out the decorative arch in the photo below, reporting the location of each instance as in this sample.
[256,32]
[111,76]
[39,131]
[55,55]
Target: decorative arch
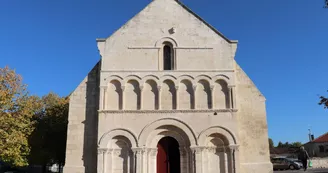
[216,130]
[150,95]
[186,94]
[108,136]
[150,77]
[132,95]
[159,43]
[203,94]
[114,77]
[168,77]
[221,94]
[147,131]
[186,77]
[204,77]
[114,95]
[132,77]
[221,77]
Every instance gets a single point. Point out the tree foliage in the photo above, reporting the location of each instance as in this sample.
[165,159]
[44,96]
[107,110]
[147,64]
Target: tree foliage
[324,101]
[48,140]
[271,144]
[288,145]
[17,109]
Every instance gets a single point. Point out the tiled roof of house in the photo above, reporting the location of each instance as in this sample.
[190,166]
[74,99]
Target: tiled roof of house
[322,138]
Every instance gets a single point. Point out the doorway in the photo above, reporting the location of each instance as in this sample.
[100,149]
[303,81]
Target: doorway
[168,156]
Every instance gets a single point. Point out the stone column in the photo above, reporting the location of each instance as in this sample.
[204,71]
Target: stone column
[101,98]
[212,97]
[195,98]
[123,97]
[197,157]
[131,161]
[100,160]
[141,97]
[138,155]
[205,159]
[105,99]
[232,96]
[159,97]
[177,97]
[104,160]
[152,161]
[233,156]
[212,164]
[183,160]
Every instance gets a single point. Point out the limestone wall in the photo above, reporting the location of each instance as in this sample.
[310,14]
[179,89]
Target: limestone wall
[319,162]
[140,41]
[252,124]
[81,147]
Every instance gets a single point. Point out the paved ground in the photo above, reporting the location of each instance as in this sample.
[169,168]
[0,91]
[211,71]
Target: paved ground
[308,171]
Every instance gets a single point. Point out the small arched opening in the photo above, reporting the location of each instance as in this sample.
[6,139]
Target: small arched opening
[168,56]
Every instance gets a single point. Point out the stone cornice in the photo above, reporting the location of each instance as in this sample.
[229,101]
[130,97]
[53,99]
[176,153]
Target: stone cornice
[164,111]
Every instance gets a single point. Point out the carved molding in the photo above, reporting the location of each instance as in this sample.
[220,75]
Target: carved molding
[165,111]
[197,150]
[212,87]
[152,151]
[234,147]
[194,87]
[138,151]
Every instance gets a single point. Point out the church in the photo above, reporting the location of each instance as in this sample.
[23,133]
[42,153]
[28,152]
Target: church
[167,96]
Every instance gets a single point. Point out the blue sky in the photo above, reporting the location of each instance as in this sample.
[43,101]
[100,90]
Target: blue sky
[282,47]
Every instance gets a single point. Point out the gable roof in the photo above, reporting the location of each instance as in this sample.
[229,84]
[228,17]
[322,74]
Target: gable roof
[207,24]
[195,15]
[322,138]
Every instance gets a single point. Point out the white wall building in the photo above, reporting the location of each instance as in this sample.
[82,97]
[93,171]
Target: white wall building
[167,96]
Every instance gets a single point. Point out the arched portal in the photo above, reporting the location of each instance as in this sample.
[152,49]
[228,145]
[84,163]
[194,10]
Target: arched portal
[168,156]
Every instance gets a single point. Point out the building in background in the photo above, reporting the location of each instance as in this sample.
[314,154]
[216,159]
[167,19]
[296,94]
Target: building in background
[318,147]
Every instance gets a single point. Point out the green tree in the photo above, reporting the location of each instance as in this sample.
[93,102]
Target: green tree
[16,118]
[48,140]
[296,144]
[280,144]
[271,144]
[324,101]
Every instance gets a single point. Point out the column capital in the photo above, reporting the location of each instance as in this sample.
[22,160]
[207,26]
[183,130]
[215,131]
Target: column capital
[141,87]
[212,87]
[197,149]
[176,87]
[234,147]
[194,87]
[138,150]
[152,151]
[231,86]
[159,88]
[102,150]
[122,87]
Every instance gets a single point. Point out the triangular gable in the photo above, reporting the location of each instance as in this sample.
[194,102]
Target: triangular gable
[188,10]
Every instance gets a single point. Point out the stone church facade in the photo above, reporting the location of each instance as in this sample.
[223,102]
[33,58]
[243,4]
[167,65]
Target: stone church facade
[167,96]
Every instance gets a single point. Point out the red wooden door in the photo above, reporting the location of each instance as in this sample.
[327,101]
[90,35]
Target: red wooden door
[161,159]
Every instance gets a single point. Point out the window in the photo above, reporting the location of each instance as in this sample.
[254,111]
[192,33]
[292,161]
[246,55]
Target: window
[321,149]
[168,56]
